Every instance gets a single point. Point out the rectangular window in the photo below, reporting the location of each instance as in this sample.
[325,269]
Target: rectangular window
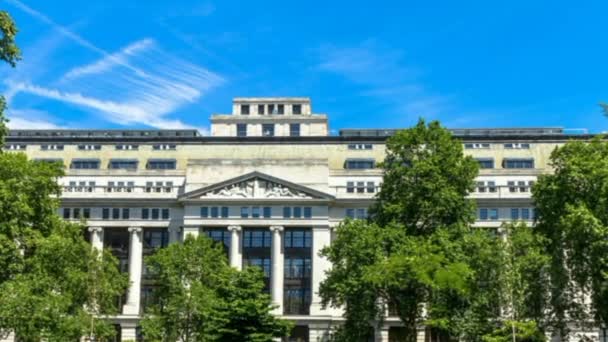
[359,164]
[145,213]
[224,212]
[220,235]
[525,213]
[297,212]
[76,213]
[360,187]
[204,212]
[89,147]
[241,130]
[126,147]
[514,213]
[115,213]
[256,238]
[267,212]
[518,163]
[485,163]
[350,187]
[286,212]
[361,213]
[307,212]
[268,130]
[214,212]
[298,238]
[493,214]
[261,109]
[263,263]
[245,109]
[520,146]
[371,187]
[294,130]
[255,212]
[272,109]
[244,212]
[483,213]
[165,213]
[66,213]
[51,147]
[360,146]
[86,213]
[155,213]
[350,213]
[161,164]
[476,145]
[296,109]
[280,109]
[123,164]
[105,213]
[125,213]
[85,164]
[162,147]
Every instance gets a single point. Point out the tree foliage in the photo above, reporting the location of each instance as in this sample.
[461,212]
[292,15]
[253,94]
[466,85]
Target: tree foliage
[572,217]
[201,298]
[10,53]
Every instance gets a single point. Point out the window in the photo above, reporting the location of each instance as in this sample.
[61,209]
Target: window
[155,213]
[145,213]
[272,109]
[360,187]
[159,186]
[294,130]
[296,109]
[371,187]
[155,238]
[89,147]
[267,211]
[125,147]
[244,212]
[296,301]
[163,147]
[307,212]
[263,263]
[518,163]
[245,109]
[76,213]
[360,146]
[297,212]
[525,213]
[66,213]
[493,214]
[123,164]
[297,268]
[514,213]
[52,147]
[298,238]
[489,186]
[361,213]
[165,213]
[85,164]
[268,130]
[204,212]
[120,186]
[255,212]
[280,109]
[483,213]
[241,130]
[350,187]
[485,163]
[224,212]
[16,147]
[256,238]
[80,186]
[476,145]
[520,146]
[215,212]
[261,109]
[115,213]
[359,164]
[125,213]
[161,164]
[219,235]
[105,213]
[286,212]
[350,213]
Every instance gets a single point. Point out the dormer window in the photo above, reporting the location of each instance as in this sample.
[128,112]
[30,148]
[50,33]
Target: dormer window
[296,109]
[245,109]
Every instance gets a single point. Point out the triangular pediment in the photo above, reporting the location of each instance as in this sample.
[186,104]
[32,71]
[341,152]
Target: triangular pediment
[256,185]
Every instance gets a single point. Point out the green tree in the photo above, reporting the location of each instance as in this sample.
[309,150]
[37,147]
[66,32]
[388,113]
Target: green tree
[411,254]
[201,298]
[572,218]
[53,285]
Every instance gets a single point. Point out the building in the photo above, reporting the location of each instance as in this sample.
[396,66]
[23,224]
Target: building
[270,183]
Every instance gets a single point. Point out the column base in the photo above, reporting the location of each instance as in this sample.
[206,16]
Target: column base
[318,333]
[381,334]
[128,332]
[421,335]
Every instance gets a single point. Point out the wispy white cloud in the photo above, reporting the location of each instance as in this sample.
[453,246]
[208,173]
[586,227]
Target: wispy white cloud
[30,119]
[383,73]
[138,84]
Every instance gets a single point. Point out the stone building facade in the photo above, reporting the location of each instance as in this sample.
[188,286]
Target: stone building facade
[270,183]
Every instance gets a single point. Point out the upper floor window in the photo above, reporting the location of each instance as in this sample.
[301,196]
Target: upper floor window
[50,160]
[89,147]
[294,130]
[162,147]
[155,238]
[80,186]
[356,213]
[297,238]
[161,164]
[256,238]
[487,186]
[76,213]
[518,163]
[220,235]
[278,109]
[52,147]
[245,109]
[155,214]
[241,130]
[268,130]
[523,146]
[519,186]
[296,109]
[120,186]
[115,213]
[159,186]
[476,145]
[360,187]
[214,212]
[85,164]
[360,146]
[16,147]
[485,163]
[127,147]
[124,164]
[359,164]
[488,214]
[261,109]
[297,212]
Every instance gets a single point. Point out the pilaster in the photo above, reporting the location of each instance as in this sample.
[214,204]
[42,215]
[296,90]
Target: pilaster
[321,238]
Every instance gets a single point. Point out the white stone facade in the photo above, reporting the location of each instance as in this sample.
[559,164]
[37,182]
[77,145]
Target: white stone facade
[272,200]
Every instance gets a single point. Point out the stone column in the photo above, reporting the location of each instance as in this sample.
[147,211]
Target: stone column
[381,334]
[421,335]
[191,230]
[236,256]
[318,332]
[128,332]
[96,237]
[276,276]
[174,234]
[321,237]
[135,268]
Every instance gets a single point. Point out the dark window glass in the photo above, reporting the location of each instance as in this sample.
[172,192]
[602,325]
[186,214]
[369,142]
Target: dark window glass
[165,213]
[307,212]
[296,109]
[493,213]
[105,213]
[123,164]
[350,187]
[268,130]
[261,262]
[245,109]
[294,130]
[261,109]
[220,235]
[298,238]
[125,213]
[156,238]
[280,109]
[161,164]
[214,212]
[350,213]
[244,212]
[241,130]
[272,109]
[486,163]
[483,213]
[359,164]
[256,238]
[525,213]
[85,164]
[518,163]
[86,213]
[514,213]
[267,212]
[297,268]
[66,213]
[145,213]
[255,212]
[115,213]
[286,212]
[224,212]
[204,212]
[297,212]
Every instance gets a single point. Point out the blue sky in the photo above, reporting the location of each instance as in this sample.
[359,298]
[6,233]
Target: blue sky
[170,64]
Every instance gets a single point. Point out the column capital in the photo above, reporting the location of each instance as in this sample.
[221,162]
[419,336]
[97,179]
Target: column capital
[234,228]
[135,230]
[276,229]
[95,229]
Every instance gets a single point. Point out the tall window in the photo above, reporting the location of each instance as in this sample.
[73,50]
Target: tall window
[294,130]
[220,235]
[268,130]
[297,271]
[241,130]
[261,110]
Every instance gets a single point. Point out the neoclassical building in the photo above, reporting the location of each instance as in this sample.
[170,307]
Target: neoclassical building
[270,183]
